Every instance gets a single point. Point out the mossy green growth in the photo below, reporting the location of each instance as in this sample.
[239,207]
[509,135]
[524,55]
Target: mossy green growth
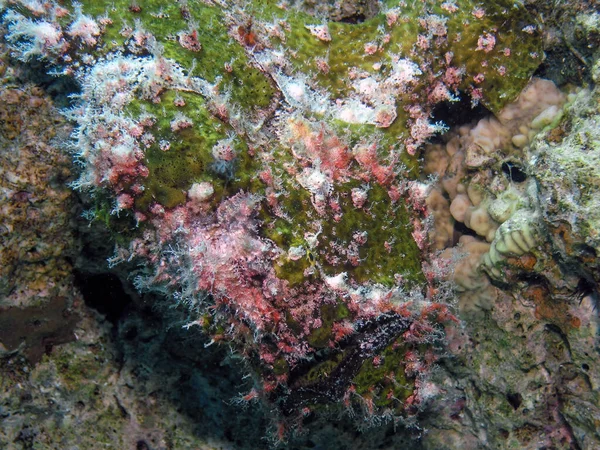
[248,87]
[510,62]
[389,250]
[329,314]
[122,225]
[385,381]
[383,222]
[346,50]
[294,271]
[321,371]
[189,158]
[76,372]
[281,367]
[506,65]
[389,142]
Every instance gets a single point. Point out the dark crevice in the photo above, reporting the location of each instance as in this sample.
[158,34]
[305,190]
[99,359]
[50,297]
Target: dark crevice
[104,293]
[358,18]
[515,400]
[513,172]
[60,88]
[345,11]
[460,112]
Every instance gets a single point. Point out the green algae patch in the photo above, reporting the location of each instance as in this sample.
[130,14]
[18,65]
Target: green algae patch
[247,86]
[189,158]
[329,314]
[389,250]
[281,367]
[503,48]
[294,271]
[321,372]
[346,50]
[496,46]
[384,379]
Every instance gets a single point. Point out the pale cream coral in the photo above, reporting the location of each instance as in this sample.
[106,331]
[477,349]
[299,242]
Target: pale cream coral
[443,228]
[455,172]
[479,220]
[475,292]
[487,138]
[539,95]
[460,206]
[475,191]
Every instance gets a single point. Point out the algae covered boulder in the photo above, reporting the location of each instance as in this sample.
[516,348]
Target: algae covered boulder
[260,164]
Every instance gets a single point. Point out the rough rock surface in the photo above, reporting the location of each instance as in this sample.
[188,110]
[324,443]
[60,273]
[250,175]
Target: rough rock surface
[516,218]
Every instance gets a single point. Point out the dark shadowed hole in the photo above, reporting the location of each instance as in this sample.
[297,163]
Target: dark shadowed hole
[131,333]
[357,18]
[345,11]
[60,88]
[563,67]
[460,229]
[353,11]
[142,445]
[515,400]
[104,293]
[587,287]
[585,251]
[513,172]
[459,112]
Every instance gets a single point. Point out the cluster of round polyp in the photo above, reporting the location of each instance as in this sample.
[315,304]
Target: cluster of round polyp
[479,186]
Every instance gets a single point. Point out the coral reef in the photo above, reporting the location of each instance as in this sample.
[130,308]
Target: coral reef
[525,270]
[258,165]
[276,224]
